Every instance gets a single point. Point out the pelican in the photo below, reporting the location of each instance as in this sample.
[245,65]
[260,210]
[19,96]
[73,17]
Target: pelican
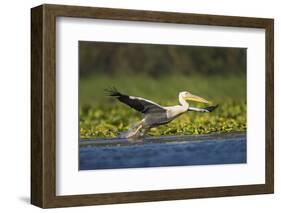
[155,114]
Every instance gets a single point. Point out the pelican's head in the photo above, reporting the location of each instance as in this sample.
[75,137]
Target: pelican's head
[190,97]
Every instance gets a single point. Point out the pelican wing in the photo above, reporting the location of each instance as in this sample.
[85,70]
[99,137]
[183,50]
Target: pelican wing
[211,108]
[206,109]
[140,104]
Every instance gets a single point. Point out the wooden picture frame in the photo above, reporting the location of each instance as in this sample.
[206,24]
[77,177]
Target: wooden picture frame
[43,105]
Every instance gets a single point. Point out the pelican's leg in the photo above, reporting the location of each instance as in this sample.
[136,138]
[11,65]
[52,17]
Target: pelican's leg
[134,132]
[136,125]
[144,130]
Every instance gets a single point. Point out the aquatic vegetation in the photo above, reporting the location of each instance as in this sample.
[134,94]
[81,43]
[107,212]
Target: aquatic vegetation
[110,120]
[101,116]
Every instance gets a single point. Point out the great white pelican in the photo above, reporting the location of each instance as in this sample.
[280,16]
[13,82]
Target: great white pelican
[155,114]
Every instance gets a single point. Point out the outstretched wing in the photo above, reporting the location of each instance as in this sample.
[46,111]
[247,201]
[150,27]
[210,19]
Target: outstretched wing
[140,104]
[211,108]
[206,109]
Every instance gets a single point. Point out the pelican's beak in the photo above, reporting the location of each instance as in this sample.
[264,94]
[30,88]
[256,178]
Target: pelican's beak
[196,98]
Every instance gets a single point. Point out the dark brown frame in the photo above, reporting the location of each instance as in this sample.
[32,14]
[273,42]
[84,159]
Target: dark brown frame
[43,105]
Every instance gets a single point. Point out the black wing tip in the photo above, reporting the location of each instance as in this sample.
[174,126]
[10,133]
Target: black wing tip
[211,108]
[112,91]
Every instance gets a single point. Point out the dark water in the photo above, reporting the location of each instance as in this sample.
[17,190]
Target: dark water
[163,151]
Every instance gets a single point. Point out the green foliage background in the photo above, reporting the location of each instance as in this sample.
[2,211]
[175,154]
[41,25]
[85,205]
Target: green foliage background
[159,73]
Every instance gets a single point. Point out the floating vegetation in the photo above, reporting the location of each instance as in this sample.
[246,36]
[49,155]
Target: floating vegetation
[102,116]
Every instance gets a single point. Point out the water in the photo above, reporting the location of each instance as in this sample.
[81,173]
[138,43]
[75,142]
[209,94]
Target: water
[163,151]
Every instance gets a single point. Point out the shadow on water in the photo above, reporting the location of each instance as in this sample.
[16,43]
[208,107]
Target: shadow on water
[162,151]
